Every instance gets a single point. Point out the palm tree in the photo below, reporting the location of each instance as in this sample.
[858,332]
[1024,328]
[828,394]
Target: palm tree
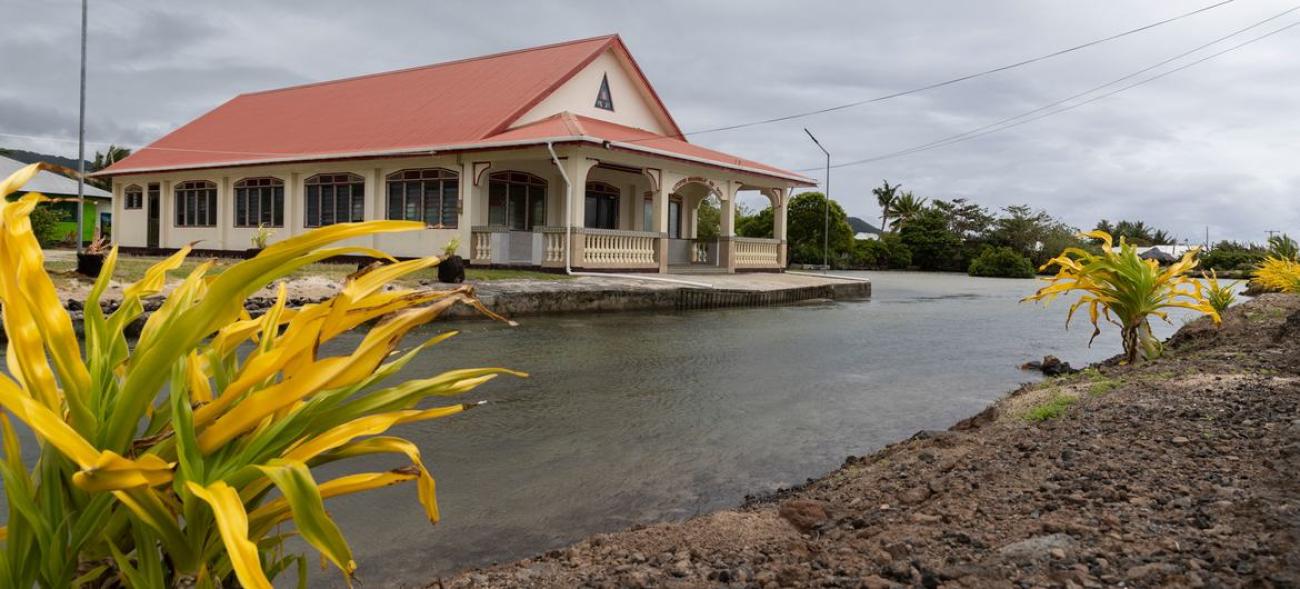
[886,196]
[1282,246]
[1161,237]
[105,159]
[907,207]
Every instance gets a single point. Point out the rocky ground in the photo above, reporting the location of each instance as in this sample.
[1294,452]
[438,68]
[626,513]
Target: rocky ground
[1182,472]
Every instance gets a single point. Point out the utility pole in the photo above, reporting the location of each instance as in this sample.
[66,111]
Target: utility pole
[826,215]
[81,136]
[1272,232]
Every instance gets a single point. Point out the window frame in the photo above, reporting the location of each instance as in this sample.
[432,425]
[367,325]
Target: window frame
[527,182]
[189,208]
[675,220]
[446,184]
[605,194]
[243,194]
[356,184]
[133,197]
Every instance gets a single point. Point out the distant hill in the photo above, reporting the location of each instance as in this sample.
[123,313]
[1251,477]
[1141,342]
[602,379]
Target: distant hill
[861,226]
[31,157]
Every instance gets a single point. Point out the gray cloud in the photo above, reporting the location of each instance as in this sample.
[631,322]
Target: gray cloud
[1209,146]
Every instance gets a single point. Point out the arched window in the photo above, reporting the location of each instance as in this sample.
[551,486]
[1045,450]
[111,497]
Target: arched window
[133,197]
[196,204]
[516,200]
[601,206]
[259,201]
[334,198]
[429,195]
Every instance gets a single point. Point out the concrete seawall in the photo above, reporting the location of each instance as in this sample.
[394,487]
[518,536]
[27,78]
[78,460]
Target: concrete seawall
[588,294]
[576,296]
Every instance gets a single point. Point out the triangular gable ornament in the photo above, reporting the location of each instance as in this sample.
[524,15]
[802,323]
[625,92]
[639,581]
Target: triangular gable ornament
[603,98]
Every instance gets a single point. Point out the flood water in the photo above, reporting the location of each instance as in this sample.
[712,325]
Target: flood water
[639,418]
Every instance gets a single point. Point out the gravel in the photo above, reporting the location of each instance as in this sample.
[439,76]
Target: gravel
[1181,472]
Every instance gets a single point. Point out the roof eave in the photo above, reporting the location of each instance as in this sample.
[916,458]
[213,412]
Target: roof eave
[476,146]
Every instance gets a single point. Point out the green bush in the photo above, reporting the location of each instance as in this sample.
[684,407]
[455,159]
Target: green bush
[1232,257]
[45,224]
[886,253]
[1001,262]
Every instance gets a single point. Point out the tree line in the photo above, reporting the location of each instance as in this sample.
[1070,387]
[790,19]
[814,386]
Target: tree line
[947,235]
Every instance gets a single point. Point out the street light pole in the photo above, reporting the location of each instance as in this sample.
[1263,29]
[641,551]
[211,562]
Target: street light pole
[81,136]
[826,215]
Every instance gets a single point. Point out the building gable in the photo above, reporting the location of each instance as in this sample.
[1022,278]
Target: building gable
[610,88]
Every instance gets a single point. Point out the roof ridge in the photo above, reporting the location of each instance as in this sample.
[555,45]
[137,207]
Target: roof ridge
[434,65]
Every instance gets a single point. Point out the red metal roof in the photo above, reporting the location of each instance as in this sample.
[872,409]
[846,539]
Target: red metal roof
[454,105]
[568,126]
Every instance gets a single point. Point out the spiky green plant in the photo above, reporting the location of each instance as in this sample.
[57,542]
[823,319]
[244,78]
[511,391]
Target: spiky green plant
[1219,296]
[1124,289]
[158,461]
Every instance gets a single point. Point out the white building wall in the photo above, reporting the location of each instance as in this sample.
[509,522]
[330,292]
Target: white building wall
[578,95]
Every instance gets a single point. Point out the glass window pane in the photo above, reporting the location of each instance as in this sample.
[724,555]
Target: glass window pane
[395,200]
[277,206]
[648,214]
[412,210]
[497,203]
[312,208]
[518,206]
[450,203]
[591,211]
[431,197]
[674,219]
[326,205]
[358,202]
[537,194]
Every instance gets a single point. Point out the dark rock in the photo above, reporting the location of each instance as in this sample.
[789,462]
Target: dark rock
[804,514]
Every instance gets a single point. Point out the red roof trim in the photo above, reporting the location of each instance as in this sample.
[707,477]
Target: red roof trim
[439,64]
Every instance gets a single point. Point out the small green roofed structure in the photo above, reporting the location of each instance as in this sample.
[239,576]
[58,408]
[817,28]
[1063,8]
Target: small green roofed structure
[61,187]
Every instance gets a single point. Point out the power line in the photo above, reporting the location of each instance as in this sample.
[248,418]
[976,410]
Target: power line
[948,82]
[764,121]
[1014,122]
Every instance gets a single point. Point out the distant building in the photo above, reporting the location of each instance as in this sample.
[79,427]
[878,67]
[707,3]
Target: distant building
[62,187]
[465,148]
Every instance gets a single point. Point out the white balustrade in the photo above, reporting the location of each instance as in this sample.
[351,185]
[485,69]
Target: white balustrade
[618,248]
[553,247]
[757,253]
[482,245]
[699,252]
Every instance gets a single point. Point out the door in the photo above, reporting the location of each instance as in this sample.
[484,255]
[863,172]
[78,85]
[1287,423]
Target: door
[155,216]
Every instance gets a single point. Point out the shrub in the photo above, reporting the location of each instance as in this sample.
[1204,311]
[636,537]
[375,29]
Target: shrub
[1124,289]
[1001,262]
[1279,275]
[1230,257]
[45,221]
[1219,296]
[886,253]
[158,461]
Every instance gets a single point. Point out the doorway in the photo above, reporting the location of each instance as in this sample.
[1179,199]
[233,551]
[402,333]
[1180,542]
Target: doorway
[155,216]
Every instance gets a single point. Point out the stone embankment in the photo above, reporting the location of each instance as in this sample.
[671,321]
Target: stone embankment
[1181,472]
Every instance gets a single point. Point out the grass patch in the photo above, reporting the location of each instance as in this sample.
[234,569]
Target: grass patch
[1051,408]
[1098,383]
[512,274]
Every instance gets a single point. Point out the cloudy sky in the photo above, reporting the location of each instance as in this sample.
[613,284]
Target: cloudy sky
[1213,145]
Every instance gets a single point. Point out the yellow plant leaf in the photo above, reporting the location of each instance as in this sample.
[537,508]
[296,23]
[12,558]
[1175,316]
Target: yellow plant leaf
[232,522]
[111,472]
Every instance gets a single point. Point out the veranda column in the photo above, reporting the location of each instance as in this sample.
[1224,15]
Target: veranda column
[727,226]
[465,216]
[780,200]
[659,195]
[576,167]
